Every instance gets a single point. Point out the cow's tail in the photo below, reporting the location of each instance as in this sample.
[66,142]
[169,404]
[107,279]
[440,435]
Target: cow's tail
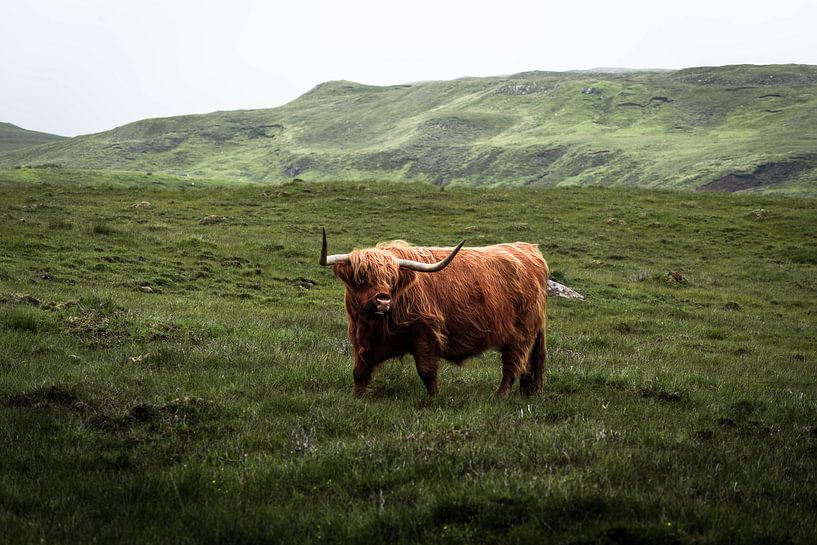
[531,381]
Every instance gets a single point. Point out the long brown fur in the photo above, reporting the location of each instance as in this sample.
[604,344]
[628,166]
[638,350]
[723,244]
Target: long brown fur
[490,297]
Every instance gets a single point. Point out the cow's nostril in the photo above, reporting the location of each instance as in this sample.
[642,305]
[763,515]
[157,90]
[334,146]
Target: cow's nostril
[383,298]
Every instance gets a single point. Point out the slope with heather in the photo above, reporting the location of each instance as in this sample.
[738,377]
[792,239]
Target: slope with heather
[732,128]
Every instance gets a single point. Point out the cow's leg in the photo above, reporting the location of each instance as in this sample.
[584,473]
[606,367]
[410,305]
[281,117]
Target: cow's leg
[427,369]
[514,361]
[530,382]
[363,376]
[527,382]
[365,364]
[368,359]
[426,358]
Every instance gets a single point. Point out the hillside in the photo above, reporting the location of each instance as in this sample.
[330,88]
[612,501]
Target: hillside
[732,128]
[13,137]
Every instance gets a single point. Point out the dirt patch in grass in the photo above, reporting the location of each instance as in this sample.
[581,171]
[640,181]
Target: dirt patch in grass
[140,413]
[764,175]
[188,411]
[212,219]
[97,322]
[667,396]
[674,278]
[20,299]
[48,397]
[183,413]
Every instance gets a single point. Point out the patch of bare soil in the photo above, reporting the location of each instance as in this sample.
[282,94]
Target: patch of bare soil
[764,175]
[20,299]
[212,219]
[98,323]
[674,277]
[55,396]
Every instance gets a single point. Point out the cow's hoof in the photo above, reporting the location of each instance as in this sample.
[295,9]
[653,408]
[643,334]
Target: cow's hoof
[360,392]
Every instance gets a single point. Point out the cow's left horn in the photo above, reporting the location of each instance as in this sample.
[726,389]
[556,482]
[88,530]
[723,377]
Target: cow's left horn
[326,261]
[430,267]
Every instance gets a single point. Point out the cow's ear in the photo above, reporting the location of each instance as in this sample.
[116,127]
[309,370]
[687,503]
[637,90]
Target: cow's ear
[405,278]
[343,271]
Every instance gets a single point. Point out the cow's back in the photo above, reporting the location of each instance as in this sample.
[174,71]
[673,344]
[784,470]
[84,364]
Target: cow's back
[487,297]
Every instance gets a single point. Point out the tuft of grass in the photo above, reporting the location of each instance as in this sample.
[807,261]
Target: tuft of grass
[21,319]
[104,229]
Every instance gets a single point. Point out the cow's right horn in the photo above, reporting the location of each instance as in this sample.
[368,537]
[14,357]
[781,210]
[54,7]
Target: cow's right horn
[326,261]
[430,267]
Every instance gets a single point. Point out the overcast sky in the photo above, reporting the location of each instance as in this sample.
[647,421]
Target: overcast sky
[80,66]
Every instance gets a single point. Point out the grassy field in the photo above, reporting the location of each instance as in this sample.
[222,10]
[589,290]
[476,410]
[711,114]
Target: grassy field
[681,129]
[168,380]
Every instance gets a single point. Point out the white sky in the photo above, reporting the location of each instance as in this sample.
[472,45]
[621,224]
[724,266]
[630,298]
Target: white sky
[79,66]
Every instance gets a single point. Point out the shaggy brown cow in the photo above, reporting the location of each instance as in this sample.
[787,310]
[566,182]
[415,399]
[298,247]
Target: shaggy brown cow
[403,299]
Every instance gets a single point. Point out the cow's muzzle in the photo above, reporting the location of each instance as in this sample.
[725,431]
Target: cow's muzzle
[379,307]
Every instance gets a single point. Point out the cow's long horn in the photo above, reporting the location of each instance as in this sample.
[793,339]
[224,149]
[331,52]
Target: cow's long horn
[326,261]
[429,267]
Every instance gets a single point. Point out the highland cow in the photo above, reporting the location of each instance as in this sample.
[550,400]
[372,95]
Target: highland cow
[451,303]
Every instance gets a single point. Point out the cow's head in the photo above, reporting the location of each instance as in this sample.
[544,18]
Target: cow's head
[374,276]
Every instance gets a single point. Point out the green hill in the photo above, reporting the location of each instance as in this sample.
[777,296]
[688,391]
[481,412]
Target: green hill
[731,128]
[13,137]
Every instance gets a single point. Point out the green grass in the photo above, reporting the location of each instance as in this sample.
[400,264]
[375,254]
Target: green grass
[13,137]
[216,407]
[681,129]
